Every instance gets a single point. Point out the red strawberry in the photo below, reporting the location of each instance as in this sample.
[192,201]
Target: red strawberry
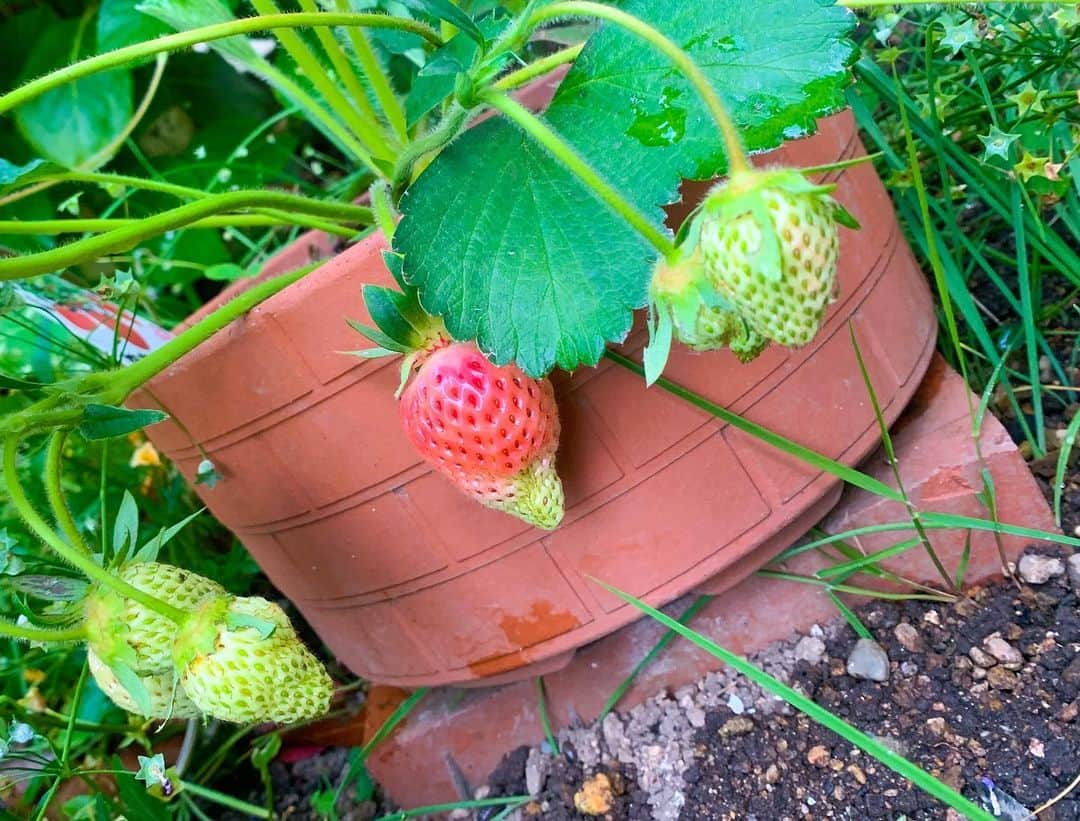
[492,430]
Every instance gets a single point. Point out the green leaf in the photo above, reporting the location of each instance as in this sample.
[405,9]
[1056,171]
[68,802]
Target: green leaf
[125,527]
[446,11]
[106,421]
[435,81]
[514,251]
[120,24]
[133,684]
[149,551]
[239,621]
[225,272]
[16,176]
[76,121]
[51,588]
[188,14]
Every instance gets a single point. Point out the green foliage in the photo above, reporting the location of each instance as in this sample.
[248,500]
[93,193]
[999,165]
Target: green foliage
[516,252]
[75,124]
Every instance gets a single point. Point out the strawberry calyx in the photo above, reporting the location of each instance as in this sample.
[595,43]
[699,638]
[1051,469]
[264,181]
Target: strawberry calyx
[198,635]
[402,326]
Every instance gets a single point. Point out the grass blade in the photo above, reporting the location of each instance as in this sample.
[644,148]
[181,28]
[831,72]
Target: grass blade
[1067,444]
[879,751]
[823,463]
[658,648]
[545,719]
[395,718]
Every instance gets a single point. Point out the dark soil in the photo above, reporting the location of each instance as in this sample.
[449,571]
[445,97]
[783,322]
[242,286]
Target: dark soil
[1016,729]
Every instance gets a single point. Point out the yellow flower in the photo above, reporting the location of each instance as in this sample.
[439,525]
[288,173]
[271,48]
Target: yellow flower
[145,455]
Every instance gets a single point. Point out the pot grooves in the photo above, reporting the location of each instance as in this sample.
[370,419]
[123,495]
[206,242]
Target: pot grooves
[411,583]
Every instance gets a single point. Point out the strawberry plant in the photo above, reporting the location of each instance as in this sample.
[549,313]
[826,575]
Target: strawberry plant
[521,243]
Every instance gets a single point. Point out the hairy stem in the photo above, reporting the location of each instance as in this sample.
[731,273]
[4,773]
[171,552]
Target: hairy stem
[55,493]
[518,78]
[384,93]
[21,632]
[366,130]
[128,379]
[344,69]
[126,237]
[452,123]
[564,153]
[283,217]
[95,226]
[87,565]
[204,34]
[582,8]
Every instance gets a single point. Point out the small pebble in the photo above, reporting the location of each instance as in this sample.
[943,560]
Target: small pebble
[936,725]
[908,637]
[1074,572]
[1069,712]
[1035,569]
[696,716]
[740,725]
[1000,678]
[981,657]
[1004,652]
[735,704]
[819,755]
[810,649]
[857,773]
[868,660]
[932,617]
[1071,674]
[772,774]
[1036,748]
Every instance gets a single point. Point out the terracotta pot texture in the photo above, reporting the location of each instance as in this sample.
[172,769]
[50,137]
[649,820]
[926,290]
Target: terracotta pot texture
[410,583]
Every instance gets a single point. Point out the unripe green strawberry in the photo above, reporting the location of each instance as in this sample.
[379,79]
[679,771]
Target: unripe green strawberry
[769,242]
[684,304]
[240,660]
[120,629]
[491,430]
[702,319]
[166,698]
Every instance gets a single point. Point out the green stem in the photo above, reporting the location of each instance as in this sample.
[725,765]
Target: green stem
[135,374]
[562,151]
[383,207]
[521,76]
[23,633]
[224,800]
[384,93]
[84,563]
[340,60]
[448,128]
[290,217]
[308,63]
[125,237]
[204,34]
[93,226]
[65,754]
[582,8]
[55,493]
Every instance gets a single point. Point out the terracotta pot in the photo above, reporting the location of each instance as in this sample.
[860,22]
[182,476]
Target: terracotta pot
[410,583]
